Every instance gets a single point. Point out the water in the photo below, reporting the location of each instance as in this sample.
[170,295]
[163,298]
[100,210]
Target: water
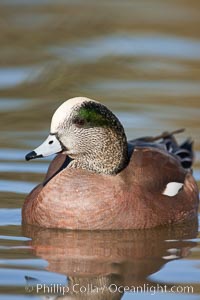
[143,61]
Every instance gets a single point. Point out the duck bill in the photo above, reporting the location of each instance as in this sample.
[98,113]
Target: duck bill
[50,146]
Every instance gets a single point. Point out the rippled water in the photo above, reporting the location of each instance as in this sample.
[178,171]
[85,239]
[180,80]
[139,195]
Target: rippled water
[143,61]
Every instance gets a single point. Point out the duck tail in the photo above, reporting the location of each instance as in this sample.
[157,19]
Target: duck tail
[184,151]
[185,154]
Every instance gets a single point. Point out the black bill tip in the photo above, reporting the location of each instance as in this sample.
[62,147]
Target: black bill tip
[32,155]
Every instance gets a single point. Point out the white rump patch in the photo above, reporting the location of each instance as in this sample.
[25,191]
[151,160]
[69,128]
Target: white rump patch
[172,189]
[173,253]
[172,256]
[64,110]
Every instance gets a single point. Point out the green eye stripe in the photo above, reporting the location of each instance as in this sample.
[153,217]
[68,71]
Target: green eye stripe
[93,117]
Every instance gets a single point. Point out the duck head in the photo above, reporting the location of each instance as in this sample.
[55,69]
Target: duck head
[89,133]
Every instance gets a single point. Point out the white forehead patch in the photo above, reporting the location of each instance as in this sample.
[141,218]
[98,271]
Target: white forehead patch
[64,110]
[172,189]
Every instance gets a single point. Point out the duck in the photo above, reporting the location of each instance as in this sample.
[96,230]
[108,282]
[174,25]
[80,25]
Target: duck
[100,181]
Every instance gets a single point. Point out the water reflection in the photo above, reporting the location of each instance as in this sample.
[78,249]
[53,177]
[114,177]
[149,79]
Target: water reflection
[16,186]
[104,261]
[130,45]
[10,77]
[155,88]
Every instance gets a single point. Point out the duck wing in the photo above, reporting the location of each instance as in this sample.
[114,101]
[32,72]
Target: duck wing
[167,142]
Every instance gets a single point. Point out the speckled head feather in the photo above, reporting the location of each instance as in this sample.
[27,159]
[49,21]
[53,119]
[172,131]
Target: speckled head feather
[64,110]
[91,135]
[95,114]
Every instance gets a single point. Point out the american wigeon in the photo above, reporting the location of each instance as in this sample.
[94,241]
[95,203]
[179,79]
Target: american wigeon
[100,181]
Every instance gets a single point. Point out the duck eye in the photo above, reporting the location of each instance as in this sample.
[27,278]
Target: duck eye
[50,142]
[79,122]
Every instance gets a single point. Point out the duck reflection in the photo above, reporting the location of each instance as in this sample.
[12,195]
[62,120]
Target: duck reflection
[100,265]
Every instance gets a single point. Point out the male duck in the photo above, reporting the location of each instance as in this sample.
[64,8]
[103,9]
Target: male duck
[99,181]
